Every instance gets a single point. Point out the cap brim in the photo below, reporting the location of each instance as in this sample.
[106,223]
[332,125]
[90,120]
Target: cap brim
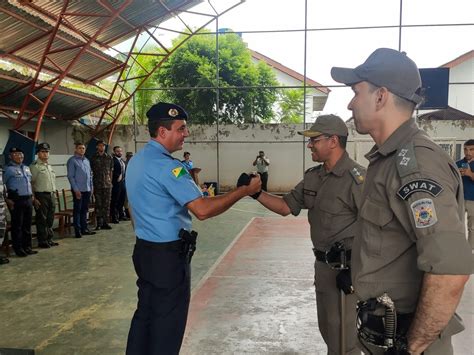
[345,75]
[309,133]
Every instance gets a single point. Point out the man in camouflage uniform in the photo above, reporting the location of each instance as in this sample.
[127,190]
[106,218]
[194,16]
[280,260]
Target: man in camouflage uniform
[102,166]
[43,181]
[3,217]
[411,260]
[331,192]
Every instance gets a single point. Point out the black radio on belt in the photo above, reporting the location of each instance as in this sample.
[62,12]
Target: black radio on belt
[189,243]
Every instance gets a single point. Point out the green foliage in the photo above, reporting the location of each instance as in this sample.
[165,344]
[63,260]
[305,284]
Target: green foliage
[291,102]
[194,65]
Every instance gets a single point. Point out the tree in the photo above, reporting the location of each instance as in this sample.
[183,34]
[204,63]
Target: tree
[291,102]
[194,65]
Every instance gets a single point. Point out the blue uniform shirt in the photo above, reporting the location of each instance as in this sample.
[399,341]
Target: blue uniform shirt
[18,178]
[158,189]
[79,173]
[468,184]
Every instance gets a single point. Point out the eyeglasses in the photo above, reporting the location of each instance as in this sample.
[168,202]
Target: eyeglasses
[315,139]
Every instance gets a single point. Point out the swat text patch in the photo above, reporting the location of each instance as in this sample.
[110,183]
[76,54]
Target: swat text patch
[421,185]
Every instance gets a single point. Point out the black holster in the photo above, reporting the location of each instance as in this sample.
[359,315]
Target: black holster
[378,324]
[189,243]
[337,257]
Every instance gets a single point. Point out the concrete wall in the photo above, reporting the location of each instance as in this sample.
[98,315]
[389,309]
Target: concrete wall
[225,155]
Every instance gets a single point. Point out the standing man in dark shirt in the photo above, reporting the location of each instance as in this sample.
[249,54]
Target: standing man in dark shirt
[102,166]
[118,187]
[466,168]
[79,174]
[17,178]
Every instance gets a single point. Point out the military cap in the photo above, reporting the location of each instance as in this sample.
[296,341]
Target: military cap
[16,150]
[163,111]
[100,141]
[388,68]
[43,146]
[327,124]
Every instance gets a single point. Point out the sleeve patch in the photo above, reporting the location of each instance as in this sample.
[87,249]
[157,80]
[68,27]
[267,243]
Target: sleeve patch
[357,175]
[421,185]
[424,213]
[179,171]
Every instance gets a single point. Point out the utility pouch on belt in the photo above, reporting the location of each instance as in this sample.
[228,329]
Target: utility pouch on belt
[189,243]
[337,257]
[379,325]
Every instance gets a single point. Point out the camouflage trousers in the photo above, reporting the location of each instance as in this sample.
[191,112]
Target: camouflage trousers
[102,205]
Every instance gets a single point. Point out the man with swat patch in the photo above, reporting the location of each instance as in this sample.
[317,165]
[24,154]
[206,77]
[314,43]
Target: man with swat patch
[331,192]
[411,260]
[160,193]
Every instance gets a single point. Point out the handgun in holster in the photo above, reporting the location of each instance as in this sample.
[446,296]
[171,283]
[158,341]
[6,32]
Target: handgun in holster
[337,257]
[379,325]
[189,243]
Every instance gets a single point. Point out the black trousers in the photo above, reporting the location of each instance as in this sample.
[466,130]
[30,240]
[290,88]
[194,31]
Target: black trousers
[21,215]
[163,299]
[117,201]
[264,178]
[45,216]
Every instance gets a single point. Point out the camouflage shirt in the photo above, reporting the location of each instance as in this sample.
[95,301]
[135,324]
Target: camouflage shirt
[102,166]
[3,209]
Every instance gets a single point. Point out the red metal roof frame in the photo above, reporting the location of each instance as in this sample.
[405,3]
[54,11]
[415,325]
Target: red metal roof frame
[96,33]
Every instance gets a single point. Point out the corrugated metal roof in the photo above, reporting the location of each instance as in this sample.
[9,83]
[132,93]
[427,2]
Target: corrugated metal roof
[66,104]
[136,15]
[24,39]
[447,114]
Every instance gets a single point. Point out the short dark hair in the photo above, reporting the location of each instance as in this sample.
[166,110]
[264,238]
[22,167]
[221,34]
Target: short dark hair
[117,146]
[469,142]
[184,154]
[155,124]
[342,141]
[400,102]
[76,144]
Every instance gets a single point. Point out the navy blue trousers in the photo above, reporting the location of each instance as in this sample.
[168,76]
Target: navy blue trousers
[163,299]
[80,209]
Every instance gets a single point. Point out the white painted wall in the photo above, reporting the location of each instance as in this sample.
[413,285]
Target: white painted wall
[236,148]
[462,96]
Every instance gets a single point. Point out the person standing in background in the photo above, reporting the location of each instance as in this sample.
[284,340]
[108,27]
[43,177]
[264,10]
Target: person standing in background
[262,163]
[466,168]
[79,174]
[43,180]
[102,166]
[17,177]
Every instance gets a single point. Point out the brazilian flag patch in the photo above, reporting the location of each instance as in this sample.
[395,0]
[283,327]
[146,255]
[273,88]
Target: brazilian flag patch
[179,171]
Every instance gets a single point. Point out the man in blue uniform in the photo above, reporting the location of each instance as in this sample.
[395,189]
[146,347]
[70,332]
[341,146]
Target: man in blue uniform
[17,178]
[160,192]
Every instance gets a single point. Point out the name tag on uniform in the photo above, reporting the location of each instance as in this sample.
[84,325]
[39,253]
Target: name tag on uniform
[310,192]
[421,185]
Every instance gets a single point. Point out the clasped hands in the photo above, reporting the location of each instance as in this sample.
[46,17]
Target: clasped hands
[253,182]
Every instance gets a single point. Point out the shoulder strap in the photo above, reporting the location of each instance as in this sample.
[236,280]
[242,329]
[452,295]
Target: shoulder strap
[406,160]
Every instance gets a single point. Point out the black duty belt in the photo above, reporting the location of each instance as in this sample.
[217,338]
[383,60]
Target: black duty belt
[176,245]
[324,257]
[20,198]
[43,193]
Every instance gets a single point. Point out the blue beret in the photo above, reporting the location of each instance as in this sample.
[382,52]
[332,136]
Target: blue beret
[163,111]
